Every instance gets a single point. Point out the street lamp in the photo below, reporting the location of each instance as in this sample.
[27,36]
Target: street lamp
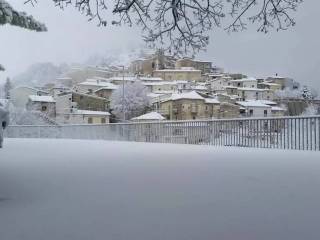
[123,101]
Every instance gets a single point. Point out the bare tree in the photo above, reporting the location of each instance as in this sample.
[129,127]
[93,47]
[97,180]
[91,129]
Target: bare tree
[184,25]
[12,17]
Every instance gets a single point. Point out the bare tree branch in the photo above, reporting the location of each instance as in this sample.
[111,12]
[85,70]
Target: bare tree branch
[184,25]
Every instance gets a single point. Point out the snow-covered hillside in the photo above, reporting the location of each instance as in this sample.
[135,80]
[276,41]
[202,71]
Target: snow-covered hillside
[80,190]
[40,74]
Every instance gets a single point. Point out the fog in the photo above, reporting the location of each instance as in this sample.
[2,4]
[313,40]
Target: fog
[71,38]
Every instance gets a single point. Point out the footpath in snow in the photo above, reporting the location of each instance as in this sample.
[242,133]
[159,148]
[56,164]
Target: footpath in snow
[81,190]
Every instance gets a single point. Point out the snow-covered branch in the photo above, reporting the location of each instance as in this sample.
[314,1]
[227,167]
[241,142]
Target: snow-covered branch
[184,25]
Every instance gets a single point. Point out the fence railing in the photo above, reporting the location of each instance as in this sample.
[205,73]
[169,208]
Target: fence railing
[300,133]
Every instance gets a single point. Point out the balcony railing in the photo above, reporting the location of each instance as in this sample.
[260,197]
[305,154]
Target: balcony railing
[299,133]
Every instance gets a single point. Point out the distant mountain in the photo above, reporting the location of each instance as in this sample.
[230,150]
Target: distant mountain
[40,74]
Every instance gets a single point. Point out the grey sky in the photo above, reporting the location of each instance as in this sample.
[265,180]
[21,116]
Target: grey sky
[293,53]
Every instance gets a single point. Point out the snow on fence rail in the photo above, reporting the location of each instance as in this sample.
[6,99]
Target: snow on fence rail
[300,133]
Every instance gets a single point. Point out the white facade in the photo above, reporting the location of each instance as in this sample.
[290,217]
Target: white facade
[83,117]
[245,83]
[255,109]
[220,84]
[92,85]
[64,104]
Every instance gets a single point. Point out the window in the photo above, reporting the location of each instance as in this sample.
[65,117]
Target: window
[251,112]
[265,112]
[239,84]
[44,108]
[103,120]
[90,120]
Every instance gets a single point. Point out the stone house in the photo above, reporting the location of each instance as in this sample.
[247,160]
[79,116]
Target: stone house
[44,104]
[84,117]
[96,87]
[68,101]
[188,106]
[145,66]
[244,83]
[203,66]
[269,85]
[186,73]
[254,109]
[284,82]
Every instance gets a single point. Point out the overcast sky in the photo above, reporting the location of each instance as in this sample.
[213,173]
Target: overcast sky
[70,38]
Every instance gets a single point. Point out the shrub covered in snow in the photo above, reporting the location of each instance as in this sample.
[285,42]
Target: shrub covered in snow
[303,93]
[311,110]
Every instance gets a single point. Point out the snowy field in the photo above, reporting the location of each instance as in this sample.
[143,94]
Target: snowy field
[94,190]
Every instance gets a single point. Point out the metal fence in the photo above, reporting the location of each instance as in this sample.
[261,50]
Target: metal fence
[300,133]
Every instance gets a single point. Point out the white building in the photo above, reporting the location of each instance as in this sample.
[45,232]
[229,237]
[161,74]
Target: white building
[219,84]
[44,104]
[92,85]
[149,117]
[245,83]
[254,109]
[84,117]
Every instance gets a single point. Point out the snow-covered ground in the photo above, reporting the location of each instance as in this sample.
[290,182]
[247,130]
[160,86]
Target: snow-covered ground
[81,190]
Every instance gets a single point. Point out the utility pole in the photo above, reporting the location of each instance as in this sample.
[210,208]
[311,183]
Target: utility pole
[123,102]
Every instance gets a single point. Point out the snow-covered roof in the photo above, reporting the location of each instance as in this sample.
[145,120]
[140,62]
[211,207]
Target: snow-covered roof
[88,112]
[249,79]
[159,83]
[150,79]
[36,98]
[211,101]
[97,83]
[267,102]
[252,104]
[269,84]
[276,108]
[155,95]
[164,92]
[185,69]
[150,116]
[186,95]
[199,87]
[128,79]
[252,89]
[277,77]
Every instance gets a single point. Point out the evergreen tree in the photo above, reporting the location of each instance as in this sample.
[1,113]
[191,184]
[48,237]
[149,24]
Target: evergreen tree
[7,88]
[10,16]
